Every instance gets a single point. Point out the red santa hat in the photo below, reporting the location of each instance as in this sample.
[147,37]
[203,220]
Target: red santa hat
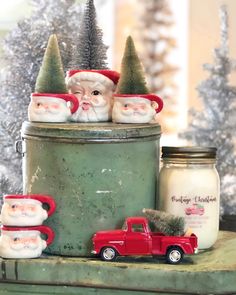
[66,96]
[156,100]
[106,77]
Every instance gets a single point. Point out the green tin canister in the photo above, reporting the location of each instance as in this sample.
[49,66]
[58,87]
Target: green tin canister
[97,173]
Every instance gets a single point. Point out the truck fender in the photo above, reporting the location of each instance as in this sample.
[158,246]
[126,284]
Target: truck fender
[111,246]
[186,248]
[174,246]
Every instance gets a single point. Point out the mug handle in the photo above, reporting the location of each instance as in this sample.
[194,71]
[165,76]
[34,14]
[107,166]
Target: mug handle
[46,200]
[75,102]
[47,231]
[160,103]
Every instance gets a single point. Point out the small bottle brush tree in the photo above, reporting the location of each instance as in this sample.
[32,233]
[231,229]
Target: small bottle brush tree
[90,52]
[132,80]
[51,75]
[215,125]
[166,223]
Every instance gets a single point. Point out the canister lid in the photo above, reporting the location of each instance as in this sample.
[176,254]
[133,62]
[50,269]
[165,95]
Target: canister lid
[91,132]
[189,152]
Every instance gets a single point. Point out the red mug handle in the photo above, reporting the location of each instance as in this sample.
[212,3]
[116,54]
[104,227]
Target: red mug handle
[46,231]
[75,103]
[159,101]
[46,200]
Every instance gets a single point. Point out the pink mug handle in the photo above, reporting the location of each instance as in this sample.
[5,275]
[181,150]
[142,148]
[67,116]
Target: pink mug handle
[46,231]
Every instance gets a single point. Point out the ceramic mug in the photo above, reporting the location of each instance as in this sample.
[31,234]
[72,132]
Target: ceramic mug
[26,210]
[24,242]
[52,107]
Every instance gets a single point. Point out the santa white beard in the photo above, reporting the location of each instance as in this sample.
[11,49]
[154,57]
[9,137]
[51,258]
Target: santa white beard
[92,112]
[119,115]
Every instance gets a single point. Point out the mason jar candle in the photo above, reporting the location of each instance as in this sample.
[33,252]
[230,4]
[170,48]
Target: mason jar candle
[189,187]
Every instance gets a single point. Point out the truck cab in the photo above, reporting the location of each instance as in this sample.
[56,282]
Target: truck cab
[136,238]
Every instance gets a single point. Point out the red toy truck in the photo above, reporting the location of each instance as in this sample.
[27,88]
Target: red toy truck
[135,238]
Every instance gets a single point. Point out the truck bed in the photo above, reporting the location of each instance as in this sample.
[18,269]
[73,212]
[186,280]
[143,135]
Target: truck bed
[160,242]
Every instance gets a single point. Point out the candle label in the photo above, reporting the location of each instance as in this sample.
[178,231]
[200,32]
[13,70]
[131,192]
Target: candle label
[193,207]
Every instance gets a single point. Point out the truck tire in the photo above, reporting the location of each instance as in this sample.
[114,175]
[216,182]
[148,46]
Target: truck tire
[174,255]
[108,254]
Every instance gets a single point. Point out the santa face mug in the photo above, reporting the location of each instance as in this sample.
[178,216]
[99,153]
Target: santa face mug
[24,242]
[25,210]
[54,108]
[94,90]
[136,108]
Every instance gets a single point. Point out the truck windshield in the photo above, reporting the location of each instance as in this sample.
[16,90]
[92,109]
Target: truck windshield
[125,226]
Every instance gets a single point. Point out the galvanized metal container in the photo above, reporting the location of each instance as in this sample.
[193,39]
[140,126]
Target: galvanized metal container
[98,174]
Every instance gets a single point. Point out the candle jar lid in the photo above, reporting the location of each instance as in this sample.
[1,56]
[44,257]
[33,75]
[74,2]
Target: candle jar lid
[189,152]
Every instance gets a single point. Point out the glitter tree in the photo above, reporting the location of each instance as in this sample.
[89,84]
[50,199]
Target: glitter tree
[24,48]
[215,125]
[90,52]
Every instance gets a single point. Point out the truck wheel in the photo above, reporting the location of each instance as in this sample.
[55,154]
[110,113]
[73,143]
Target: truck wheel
[174,255]
[108,254]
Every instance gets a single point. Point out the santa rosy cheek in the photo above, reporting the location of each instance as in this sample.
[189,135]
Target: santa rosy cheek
[55,106]
[33,209]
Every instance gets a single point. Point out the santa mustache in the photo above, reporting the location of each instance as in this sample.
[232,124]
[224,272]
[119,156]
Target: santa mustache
[132,111]
[48,110]
[95,102]
[22,211]
[24,243]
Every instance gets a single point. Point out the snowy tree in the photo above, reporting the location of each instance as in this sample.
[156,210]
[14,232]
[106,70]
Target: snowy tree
[24,48]
[90,52]
[155,34]
[215,125]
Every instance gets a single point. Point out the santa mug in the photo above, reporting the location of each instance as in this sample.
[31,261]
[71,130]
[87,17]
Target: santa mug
[50,107]
[94,90]
[24,210]
[24,242]
[136,108]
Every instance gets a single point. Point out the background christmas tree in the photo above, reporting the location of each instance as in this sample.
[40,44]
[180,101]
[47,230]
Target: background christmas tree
[24,48]
[156,22]
[132,80]
[215,125]
[90,52]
